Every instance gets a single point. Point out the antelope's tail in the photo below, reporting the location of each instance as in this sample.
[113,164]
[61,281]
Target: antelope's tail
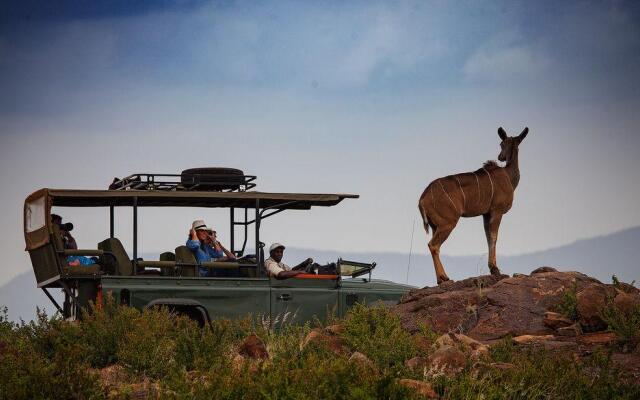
[425,218]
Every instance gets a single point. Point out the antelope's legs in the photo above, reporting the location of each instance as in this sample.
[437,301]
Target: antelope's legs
[440,234]
[491,226]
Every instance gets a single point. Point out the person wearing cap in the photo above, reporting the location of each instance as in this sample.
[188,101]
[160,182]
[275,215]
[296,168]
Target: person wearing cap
[279,270]
[205,246]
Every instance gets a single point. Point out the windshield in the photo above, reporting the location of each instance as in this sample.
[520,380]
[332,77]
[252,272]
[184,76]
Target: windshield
[353,268]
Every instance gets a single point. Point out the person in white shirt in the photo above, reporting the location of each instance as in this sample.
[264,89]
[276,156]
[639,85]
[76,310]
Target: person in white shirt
[279,270]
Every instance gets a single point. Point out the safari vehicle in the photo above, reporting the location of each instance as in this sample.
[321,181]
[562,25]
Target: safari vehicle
[172,280]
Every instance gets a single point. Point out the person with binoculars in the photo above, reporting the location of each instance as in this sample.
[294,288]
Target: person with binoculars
[69,242]
[205,246]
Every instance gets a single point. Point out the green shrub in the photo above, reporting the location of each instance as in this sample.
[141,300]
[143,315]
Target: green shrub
[104,327]
[51,358]
[568,305]
[626,324]
[44,360]
[377,333]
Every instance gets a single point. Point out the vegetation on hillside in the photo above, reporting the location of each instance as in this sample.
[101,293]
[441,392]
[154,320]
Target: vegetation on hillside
[117,351]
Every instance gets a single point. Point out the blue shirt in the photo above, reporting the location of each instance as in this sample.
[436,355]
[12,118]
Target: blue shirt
[203,253]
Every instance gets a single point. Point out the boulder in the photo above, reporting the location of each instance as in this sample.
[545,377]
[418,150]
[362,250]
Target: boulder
[529,339]
[571,330]
[555,320]
[447,360]
[591,301]
[253,347]
[626,303]
[361,359]
[336,329]
[598,338]
[318,337]
[420,387]
[541,270]
[468,345]
[416,363]
[489,308]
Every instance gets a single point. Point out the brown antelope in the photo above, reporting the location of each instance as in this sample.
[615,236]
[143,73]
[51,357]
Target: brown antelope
[487,192]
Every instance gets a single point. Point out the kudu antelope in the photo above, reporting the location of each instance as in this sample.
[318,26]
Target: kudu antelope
[487,192]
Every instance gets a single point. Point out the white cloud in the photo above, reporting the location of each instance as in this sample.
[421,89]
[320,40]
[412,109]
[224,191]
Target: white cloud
[506,58]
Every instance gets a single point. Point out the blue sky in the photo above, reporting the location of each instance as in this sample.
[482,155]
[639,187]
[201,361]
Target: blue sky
[377,98]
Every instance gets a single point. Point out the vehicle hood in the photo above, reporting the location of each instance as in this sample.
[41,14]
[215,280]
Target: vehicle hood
[375,284]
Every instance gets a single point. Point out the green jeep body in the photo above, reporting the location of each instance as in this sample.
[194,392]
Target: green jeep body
[173,281]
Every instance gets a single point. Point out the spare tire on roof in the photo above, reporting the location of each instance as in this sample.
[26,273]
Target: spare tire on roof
[213,179]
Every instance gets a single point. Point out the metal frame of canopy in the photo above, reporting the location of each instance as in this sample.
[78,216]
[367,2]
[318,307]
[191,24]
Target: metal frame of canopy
[264,204]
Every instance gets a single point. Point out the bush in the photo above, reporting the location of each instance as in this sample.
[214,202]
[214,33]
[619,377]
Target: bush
[377,333]
[44,360]
[51,358]
[104,328]
[568,305]
[626,324]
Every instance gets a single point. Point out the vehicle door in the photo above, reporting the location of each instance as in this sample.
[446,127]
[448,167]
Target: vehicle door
[222,297]
[302,298]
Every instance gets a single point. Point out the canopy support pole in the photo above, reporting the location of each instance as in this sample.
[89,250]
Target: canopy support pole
[246,230]
[111,222]
[135,235]
[259,255]
[55,303]
[232,228]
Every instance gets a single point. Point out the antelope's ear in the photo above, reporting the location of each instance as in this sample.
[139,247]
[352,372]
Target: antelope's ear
[502,133]
[523,134]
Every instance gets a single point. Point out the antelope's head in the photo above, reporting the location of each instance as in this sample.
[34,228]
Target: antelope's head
[509,144]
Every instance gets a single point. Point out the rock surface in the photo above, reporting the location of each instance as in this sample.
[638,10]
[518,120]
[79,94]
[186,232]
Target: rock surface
[591,301]
[253,347]
[488,308]
[323,338]
[447,360]
[422,388]
[464,343]
[556,320]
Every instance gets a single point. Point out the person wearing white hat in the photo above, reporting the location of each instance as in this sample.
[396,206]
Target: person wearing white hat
[205,246]
[279,270]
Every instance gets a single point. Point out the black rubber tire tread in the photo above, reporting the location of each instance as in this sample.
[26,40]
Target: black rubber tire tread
[227,178]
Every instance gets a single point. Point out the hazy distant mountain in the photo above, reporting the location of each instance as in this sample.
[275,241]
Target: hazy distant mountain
[599,257]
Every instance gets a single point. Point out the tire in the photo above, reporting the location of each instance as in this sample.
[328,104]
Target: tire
[212,179]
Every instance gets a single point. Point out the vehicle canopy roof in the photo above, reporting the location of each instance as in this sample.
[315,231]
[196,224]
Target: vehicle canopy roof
[37,206]
[154,198]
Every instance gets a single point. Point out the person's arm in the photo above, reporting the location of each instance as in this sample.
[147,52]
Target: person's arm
[228,255]
[70,240]
[193,243]
[288,274]
[303,265]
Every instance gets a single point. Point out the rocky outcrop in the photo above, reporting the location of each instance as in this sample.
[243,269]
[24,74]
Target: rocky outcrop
[487,308]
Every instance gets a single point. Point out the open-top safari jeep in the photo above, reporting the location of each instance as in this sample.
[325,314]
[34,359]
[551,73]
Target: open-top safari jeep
[173,281]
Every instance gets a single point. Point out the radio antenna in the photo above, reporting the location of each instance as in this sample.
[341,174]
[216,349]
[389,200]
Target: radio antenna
[413,228]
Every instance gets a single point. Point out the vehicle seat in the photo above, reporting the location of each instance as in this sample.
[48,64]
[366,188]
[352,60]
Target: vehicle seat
[185,256]
[58,244]
[123,265]
[167,256]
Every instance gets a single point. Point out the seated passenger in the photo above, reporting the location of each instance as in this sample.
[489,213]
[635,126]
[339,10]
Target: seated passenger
[205,247]
[69,242]
[279,270]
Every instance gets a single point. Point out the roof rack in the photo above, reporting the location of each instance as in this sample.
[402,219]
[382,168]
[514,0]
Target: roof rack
[195,182]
